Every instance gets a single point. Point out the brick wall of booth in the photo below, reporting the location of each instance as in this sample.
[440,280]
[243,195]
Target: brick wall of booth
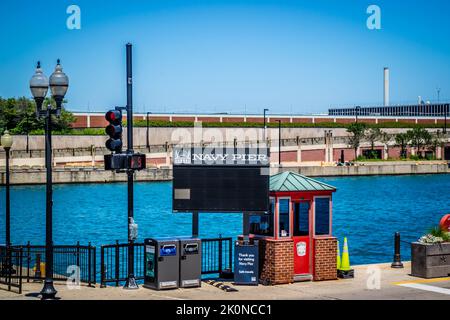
[276,261]
[325,250]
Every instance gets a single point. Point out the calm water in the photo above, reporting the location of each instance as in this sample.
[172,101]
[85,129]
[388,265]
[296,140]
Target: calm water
[368,210]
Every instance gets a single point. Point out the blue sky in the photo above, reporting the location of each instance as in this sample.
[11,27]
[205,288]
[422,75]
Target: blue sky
[229,56]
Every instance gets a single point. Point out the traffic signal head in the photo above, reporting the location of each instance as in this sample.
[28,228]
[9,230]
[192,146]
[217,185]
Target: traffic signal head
[114,130]
[114,116]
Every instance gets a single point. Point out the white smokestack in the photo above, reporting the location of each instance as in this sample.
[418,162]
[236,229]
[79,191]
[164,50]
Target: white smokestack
[386,87]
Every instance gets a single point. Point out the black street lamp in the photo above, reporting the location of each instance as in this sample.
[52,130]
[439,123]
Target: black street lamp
[265,127]
[59,83]
[148,125]
[7,142]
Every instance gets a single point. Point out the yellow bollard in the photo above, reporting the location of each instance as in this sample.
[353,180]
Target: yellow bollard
[338,256]
[41,268]
[345,262]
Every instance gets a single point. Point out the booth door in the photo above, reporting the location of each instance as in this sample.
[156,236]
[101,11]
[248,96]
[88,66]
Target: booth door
[301,237]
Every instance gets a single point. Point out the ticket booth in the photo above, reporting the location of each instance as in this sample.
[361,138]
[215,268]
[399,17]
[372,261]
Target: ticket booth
[297,231]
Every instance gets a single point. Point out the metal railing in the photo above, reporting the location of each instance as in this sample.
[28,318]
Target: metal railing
[114,263]
[64,256]
[217,257]
[11,268]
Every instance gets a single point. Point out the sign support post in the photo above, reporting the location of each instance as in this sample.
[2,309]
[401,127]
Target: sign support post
[195,224]
[246,227]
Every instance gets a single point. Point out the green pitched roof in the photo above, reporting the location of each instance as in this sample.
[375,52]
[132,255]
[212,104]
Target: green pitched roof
[290,181]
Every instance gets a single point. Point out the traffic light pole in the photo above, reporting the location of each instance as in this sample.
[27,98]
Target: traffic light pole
[131,280]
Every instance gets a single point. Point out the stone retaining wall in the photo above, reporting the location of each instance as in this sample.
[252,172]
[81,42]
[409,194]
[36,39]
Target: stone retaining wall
[36,175]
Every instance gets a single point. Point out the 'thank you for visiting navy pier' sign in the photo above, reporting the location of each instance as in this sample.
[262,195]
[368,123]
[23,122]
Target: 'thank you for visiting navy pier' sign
[218,179]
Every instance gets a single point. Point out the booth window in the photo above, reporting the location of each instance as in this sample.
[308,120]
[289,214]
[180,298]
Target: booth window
[322,216]
[262,224]
[301,219]
[283,217]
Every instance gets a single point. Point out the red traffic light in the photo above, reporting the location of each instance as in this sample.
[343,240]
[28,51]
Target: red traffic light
[114,116]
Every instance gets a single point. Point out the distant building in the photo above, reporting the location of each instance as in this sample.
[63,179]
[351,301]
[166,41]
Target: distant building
[420,110]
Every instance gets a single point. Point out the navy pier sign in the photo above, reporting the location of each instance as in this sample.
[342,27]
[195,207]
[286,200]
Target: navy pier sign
[218,179]
[219,156]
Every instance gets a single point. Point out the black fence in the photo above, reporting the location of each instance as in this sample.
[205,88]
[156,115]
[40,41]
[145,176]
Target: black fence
[65,260]
[114,263]
[217,257]
[11,268]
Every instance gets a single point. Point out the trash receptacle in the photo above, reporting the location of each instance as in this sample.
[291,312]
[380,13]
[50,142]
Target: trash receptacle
[190,262]
[162,266]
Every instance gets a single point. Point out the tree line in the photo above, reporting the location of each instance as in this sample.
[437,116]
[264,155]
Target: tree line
[18,115]
[419,138]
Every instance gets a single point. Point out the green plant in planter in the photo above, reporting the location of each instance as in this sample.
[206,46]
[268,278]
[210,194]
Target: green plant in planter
[435,235]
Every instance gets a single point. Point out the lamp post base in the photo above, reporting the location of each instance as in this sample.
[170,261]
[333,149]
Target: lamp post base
[131,283]
[48,291]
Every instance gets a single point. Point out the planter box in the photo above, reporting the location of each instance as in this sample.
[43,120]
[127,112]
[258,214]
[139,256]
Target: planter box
[430,260]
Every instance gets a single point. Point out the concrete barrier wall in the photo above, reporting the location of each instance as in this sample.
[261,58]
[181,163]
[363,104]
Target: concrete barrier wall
[161,135]
[98,175]
[84,175]
[370,170]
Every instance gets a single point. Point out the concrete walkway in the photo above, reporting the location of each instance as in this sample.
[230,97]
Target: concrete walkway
[392,284]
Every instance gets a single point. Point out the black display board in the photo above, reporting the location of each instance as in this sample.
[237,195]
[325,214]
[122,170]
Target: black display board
[220,180]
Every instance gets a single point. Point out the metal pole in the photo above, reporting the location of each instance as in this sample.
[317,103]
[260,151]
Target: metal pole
[131,281]
[28,134]
[195,229]
[246,226]
[445,118]
[48,291]
[397,263]
[264,136]
[279,143]
[148,139]
[8,208]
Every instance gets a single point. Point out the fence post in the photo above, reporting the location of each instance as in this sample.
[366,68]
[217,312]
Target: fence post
[28,261]
[230,255]
[89,264]
[95,265]
[8,270]
[397,263]
[20,270]
[102,267]
[78,254]
[220,256]
[117,264]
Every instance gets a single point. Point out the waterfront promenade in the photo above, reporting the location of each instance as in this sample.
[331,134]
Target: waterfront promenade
[394,284]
